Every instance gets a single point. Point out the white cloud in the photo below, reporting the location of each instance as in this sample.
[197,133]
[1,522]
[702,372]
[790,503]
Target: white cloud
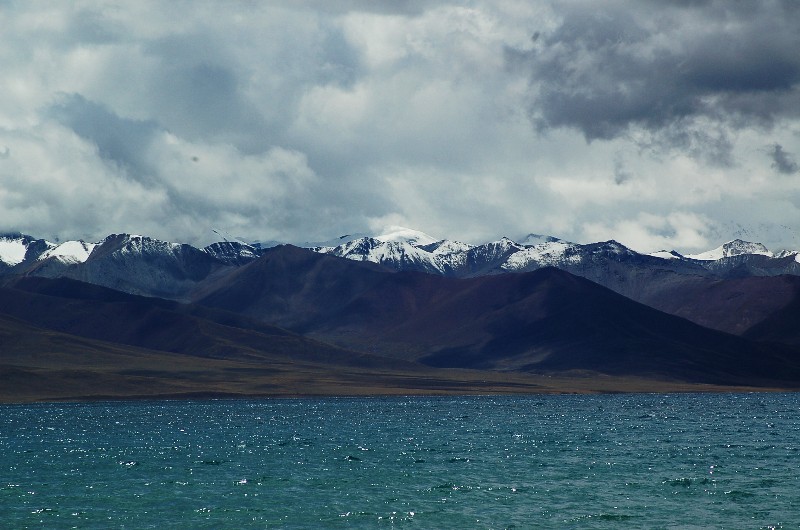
[306,120]
[647,232]
[54,184]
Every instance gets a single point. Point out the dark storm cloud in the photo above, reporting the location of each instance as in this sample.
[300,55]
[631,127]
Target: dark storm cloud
[119,140]
[200,94]
[783,161]
[605,70]
[206,89]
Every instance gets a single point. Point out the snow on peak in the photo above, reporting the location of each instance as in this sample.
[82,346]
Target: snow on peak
[137,244]
[232,252]
[542,254]
[118,238]
[789,253]
[503,243]
[446,246]
[537,239]
[70,252]
[408,235]
[401,253]
[615,247]
[737,247]
[666,254]
[12,250]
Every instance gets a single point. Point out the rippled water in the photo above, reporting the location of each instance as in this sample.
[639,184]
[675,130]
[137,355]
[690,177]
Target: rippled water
[652,461]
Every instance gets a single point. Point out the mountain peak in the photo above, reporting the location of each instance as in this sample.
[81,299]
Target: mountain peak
[737,247]
[16,248]
[666,254]
[611,246]
[538,239]
[12,249]
[70,252]
[407,235]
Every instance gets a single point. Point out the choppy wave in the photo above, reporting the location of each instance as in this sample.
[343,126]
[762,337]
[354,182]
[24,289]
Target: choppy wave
[668,461]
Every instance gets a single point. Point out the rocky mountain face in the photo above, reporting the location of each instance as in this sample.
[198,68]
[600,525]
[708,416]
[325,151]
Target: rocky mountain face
[594,261]
[542,321]
[609,263]
[408,301]
[130,263]
[717,289]
[654,279]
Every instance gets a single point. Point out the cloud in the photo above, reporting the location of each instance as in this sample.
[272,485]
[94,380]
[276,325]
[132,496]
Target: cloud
[119,140]
[53,184]
[669,70]
[306,120]
[782,161]
[646,232]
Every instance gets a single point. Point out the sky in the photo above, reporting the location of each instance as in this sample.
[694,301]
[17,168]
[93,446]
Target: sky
[662,125]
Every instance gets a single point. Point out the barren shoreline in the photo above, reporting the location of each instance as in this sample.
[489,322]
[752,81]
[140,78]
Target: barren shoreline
[34,386]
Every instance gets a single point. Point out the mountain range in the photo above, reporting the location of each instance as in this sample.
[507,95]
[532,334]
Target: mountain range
[399,312]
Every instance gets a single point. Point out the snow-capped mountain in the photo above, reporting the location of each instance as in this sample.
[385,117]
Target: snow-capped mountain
[399,248]
[400,234]
[667,254]
[19,251]
[143,265]
[13,249]
[611,264]
[395,254]
[131,263]
[392,234]
[738,258]
[233,252]
[490,257]
[69,252]
[537,239]
[737,247]
[512,304]
[537,253]
[405,249]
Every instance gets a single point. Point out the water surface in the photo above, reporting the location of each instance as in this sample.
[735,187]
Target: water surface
[653,461]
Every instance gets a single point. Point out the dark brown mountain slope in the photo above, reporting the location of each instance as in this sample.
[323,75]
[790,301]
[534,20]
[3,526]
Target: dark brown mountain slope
[547,320]
[80,340]
[781,326]
[38,364]
[732,305]
[292,287]
[98,313]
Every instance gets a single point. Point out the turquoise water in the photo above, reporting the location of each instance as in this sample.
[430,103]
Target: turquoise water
[642,461]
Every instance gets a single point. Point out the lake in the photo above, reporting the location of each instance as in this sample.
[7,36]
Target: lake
[569,461]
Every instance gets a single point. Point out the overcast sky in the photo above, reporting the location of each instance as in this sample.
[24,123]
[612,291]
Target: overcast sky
[670,124]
